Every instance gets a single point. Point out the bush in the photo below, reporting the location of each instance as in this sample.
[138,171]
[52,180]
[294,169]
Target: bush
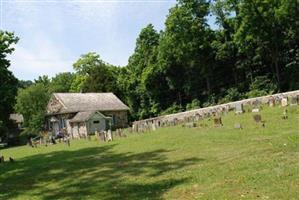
[211,101]
[195,104]
[261,86]
[172,109]
[232,94]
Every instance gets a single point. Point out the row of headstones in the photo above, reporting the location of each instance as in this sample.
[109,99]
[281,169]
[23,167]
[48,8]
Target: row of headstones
[188,118]
[108,135]
[186,121]
[256,105]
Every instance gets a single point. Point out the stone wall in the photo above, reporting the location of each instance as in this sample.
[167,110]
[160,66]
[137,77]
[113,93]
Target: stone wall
[172,119]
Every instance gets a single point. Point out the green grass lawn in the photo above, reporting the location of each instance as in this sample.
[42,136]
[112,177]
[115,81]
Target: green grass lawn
[170,163]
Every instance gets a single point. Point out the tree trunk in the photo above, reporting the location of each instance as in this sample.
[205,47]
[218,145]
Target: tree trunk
[277,74]
[208,84]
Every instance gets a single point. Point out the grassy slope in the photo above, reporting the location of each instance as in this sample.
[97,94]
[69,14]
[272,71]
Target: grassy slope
[171,163]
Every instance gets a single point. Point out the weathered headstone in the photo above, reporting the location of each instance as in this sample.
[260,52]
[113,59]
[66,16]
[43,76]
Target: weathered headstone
[109,135]
[218,122]
[284,102]
[285,114]
[238,126]
[271,102]
[190,125]
[102,135]
[294,101]
[256,104]
[239,108]
[255,110]
[154,126]
[257,118]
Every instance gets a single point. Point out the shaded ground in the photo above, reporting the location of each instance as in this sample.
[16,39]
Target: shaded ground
[171,163]
[94,172]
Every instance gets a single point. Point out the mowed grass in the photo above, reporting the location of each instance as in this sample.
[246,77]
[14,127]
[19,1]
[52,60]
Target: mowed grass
[170,163]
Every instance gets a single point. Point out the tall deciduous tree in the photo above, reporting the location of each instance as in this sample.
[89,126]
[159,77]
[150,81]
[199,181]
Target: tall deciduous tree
[139,70]
[8,83]
[185,50]
[31,102]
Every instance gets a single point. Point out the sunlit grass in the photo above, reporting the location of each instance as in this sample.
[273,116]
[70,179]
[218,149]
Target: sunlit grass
[170,163]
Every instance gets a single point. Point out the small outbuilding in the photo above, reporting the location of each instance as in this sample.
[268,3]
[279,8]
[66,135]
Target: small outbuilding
[88,122]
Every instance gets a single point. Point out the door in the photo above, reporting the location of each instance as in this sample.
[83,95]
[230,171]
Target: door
[55,128]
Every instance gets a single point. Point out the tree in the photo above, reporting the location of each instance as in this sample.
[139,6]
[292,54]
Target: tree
[185,52]
[8,83]
[139,71]
[62,82]
[94,75]
[31,103]
[263,27]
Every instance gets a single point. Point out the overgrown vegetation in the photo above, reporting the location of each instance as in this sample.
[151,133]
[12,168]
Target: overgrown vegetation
[170,163]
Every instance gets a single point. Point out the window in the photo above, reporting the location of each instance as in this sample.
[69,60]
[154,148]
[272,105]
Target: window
[96,122]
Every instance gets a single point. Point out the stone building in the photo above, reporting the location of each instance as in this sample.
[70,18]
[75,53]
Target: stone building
[81,114]
[18,119]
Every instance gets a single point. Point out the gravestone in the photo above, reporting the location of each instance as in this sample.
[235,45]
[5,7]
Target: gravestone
[218,122]
[109,135]
[257,118]
[294,101]
[285,114]
[190,125]
[239,108]
[256,104]
[154,126]
[271,102]
[238,126]
[255,110]
[284,102]
[102,135]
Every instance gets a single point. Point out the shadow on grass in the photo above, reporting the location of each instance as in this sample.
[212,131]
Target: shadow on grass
[97,173]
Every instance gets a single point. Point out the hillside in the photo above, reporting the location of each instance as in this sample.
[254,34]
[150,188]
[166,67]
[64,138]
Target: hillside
[171,163]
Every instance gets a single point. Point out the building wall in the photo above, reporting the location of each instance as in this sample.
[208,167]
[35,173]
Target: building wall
[96,123]
[120,118]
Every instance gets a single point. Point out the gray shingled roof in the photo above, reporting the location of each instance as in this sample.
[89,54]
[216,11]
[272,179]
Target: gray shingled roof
[84,116]
[76,102]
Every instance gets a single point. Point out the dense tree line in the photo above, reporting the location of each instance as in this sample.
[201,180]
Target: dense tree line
[254,51]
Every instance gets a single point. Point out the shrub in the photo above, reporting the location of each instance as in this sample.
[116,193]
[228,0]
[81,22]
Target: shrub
[261,86]
[172,109]
[195,104]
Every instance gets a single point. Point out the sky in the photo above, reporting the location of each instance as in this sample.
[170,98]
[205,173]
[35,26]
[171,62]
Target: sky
[55,33]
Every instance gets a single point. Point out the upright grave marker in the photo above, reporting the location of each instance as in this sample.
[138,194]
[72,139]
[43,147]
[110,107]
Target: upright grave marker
[257,118]
[294,101]
[239,108]
[271,102]
[218,122]
[284,102]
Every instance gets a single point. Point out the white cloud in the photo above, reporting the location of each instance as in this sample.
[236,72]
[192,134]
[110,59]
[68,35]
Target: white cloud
[43,57]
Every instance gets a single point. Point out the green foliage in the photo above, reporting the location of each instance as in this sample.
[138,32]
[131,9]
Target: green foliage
[261,86]
[24,84]
[172,109]
[78,83]
[232,94]
[195,104]
[31,102]
[61,82]
[8,83]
